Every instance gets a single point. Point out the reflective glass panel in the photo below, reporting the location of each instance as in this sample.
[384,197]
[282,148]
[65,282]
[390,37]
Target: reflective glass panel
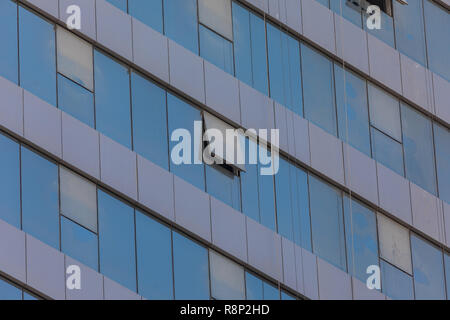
[79,243]
[429,279]
[361,238]
[76,100]
[149,12]
[149,120]
[116,240]
[327,223]
[10,181]
[8,38]
[182,116]
[40,201]
[154,258]
[418,148]
[318,89]
[180,22]
[112,99]
[216,49]
[37,56]
[191,271]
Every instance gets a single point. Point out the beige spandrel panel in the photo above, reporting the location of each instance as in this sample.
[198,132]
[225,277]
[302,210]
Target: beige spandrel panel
[216,14]
[75,58]
[394,243]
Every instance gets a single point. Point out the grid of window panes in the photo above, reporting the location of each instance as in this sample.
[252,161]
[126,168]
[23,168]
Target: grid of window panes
[11,291]
[63,70]
[417,30]
[72,214]
[86,222]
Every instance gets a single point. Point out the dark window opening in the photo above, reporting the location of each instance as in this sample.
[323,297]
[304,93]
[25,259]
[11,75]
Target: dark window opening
[379,3]
[362,5]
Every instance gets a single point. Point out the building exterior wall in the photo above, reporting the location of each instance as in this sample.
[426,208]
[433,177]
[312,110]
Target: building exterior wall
[254,248]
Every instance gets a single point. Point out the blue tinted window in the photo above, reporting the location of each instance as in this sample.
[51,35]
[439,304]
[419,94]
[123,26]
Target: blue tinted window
[149,121]
[112,99]
[258,194]
[438,42]
[149,12]
[353,113]
[250,48]
[301,217]
[250,199]
[224,185]
[8,38]
[418,147]
[75,100]
[9,292]
[79,243]
[180,22]
[257,289]
[191,271]
[216,49]
[395,283]
[27,296]
[117,240]
[349,13]
[442,149]
[429,280]
[182,116]
[284,195]
[361,238]
[327,223]
[286,296]
[121,4]
[447,273]
[409,30]
[267,200]
[270,292]
[37,56]
[318,90]
[10,181]
[293,204]
[154,258]
[249,186]
[40,204]
[284,69]
[253,287]
[387,151]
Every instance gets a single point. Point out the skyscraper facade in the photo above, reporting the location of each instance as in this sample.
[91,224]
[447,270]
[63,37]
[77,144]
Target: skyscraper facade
[93,94]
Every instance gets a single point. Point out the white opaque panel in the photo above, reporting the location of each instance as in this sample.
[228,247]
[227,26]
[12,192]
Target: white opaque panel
[227,278]
[75,58]
[78,199]
[394,243]
[212,123]
[216,14]
[385,112]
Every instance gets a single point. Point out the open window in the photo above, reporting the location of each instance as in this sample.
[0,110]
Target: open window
[223,144]
[384,5]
